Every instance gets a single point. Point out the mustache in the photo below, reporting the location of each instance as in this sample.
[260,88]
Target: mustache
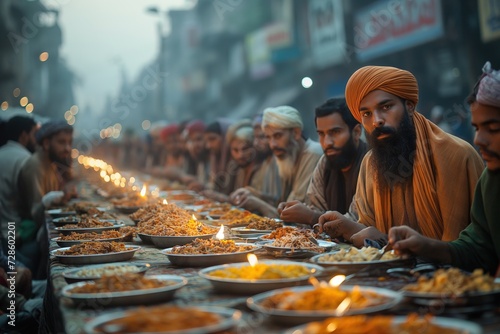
[383,130]
[488,152]
[332,148]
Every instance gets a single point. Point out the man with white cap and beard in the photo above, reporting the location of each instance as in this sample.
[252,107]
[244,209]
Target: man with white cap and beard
[296,157]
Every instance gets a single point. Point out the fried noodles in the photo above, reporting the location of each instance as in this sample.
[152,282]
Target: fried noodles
[94,247]
[122,282]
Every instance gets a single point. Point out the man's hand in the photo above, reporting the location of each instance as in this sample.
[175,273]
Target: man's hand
[358,239]
[196,186]
[298,212]
[240,196]
[406,241]
[337,225]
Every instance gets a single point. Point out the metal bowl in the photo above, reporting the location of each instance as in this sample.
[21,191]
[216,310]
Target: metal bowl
[58,213]
[127,209]
[72,276]
[462,326]
[171,241]
[61,221]
[146,238]
[124,298]
[95,258]
[249,286]
[69,243]
[294,317]
[67,231]
[205,260]
[229,318]
[347,268]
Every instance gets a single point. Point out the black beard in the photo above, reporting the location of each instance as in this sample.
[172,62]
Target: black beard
[346,156]
[393,157]
[62,162]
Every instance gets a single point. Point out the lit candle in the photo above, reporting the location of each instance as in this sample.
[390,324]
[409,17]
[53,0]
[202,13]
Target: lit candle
[143,191]
[252,259]
[165,202]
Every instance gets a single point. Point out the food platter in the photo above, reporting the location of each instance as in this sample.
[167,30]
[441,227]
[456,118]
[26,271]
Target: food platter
[205,260]
[61,221]
[127,209]
[124,298]
[146,238]
[242,231]
[90,273]
[67,231]
[294,317]
[95,258]
[58,213]
[171,241]
[253,286]
[291,252]
[461,326]
[69,243]
[440,300]
[228,318]
[354,267]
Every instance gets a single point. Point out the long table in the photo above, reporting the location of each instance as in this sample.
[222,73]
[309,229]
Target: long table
[61,316]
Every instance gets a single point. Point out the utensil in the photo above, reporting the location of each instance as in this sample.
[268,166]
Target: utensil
[381,252]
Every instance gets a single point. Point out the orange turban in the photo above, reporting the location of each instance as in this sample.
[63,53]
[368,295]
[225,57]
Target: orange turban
[389,79]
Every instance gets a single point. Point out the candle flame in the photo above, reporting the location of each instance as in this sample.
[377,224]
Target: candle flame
[337,280]
[143,191]
[343,307]
[165,202]
[252,259]
[193,217]
[220,234]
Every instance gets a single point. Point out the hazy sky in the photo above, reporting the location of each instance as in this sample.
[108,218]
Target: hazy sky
[99,36]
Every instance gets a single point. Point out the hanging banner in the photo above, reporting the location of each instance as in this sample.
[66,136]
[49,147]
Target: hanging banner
[389,26]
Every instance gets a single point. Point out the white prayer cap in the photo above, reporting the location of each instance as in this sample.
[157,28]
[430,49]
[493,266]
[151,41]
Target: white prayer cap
[284,117]
[489,87]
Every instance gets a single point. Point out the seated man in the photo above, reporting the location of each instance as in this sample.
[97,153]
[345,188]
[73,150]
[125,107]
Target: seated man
[478,246]
[334,180]
[241,166]
[265,183]
[415,174]
[43,183]
[296,157]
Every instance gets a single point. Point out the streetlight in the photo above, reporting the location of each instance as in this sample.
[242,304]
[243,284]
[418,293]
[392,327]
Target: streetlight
[307,82]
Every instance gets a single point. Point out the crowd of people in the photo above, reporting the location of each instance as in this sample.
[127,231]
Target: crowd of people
[381,172]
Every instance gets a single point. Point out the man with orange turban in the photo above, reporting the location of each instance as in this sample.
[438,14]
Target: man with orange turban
[415,174]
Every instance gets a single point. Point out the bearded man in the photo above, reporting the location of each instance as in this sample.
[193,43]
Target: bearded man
[415,174]
[296,157]
[265,183]
[334,180]
[43,182]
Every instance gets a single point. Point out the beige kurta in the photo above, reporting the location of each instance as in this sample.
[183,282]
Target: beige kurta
[38,177]
[296,188]
[437,201]
[266,180]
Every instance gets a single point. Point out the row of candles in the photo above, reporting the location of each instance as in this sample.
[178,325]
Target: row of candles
[108,175]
